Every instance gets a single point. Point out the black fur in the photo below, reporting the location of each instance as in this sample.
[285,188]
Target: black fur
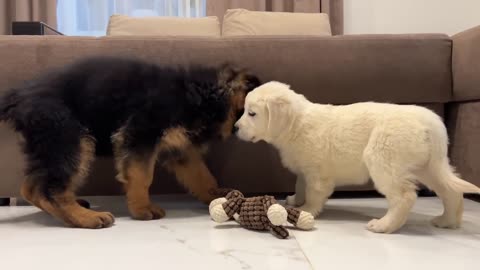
[97,96]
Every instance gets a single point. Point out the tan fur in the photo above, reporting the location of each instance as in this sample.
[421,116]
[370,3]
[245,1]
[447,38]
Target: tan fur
[239,84]
[237,99]
[136,173]
[64,206]
[87,155]
[28,191]
[139,177]
[195,176]
[226,128]
[174,138]
[119,155]
[225,75]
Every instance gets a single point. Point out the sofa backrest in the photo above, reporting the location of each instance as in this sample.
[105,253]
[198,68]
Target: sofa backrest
[339,70]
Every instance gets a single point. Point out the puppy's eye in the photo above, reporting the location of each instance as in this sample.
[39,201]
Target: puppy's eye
[252,114]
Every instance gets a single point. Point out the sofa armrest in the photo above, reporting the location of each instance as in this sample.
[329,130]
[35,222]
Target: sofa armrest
[466,65]
[463,123]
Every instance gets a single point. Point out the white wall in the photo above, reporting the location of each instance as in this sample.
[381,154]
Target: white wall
[410,16]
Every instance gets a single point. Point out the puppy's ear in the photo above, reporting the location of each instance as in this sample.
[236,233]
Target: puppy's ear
[279,115]
[226,74]
[236,80]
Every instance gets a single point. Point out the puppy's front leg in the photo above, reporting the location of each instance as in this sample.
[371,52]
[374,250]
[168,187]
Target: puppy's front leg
[297,199]
[317,192]
[194,174]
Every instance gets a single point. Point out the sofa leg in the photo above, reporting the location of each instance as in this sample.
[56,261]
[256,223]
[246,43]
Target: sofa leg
[4,201]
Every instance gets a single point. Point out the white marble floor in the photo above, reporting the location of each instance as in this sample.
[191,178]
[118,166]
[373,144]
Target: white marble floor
[188,239]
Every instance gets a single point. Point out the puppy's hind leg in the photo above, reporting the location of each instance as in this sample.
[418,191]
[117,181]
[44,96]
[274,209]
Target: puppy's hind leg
[393,156]
[400,202]
[437,178]
[400,193]
[453,210]
[54,174]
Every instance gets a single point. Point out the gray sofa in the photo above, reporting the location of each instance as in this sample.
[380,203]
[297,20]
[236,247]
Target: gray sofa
[433,70]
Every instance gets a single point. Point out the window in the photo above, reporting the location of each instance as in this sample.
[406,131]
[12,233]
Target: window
[90,17]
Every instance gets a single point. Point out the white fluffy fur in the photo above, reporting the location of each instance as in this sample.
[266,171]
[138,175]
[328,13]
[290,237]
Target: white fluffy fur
[326,146]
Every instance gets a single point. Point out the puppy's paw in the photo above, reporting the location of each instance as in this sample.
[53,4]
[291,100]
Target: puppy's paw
[147,213]
[89,219]
[312,210]
[380,226]
[212,194]
[446,223]
[290,200]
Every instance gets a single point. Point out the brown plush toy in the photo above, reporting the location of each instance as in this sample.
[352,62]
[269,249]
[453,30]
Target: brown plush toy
[259,213]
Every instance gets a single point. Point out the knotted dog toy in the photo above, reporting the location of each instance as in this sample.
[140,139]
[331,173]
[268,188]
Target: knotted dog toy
[259,213]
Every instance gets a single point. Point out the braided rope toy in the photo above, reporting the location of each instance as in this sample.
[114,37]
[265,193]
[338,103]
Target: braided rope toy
[259,213]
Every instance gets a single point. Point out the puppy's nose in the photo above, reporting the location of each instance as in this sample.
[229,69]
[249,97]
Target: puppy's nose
[235,129]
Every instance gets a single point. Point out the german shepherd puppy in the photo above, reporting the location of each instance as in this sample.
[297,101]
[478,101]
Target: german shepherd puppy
[139,112]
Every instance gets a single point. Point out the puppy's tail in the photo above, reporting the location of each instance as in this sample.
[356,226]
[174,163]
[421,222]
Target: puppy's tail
[439,169]
[446,176]
[460,185]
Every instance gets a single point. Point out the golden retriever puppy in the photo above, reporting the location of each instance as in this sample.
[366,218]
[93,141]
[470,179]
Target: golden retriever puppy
[397,146]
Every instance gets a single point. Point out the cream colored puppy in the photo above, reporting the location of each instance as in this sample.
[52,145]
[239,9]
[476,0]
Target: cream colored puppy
[397,146]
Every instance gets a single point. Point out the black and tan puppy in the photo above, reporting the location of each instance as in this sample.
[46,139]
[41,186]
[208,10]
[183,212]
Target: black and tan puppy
[137,111]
